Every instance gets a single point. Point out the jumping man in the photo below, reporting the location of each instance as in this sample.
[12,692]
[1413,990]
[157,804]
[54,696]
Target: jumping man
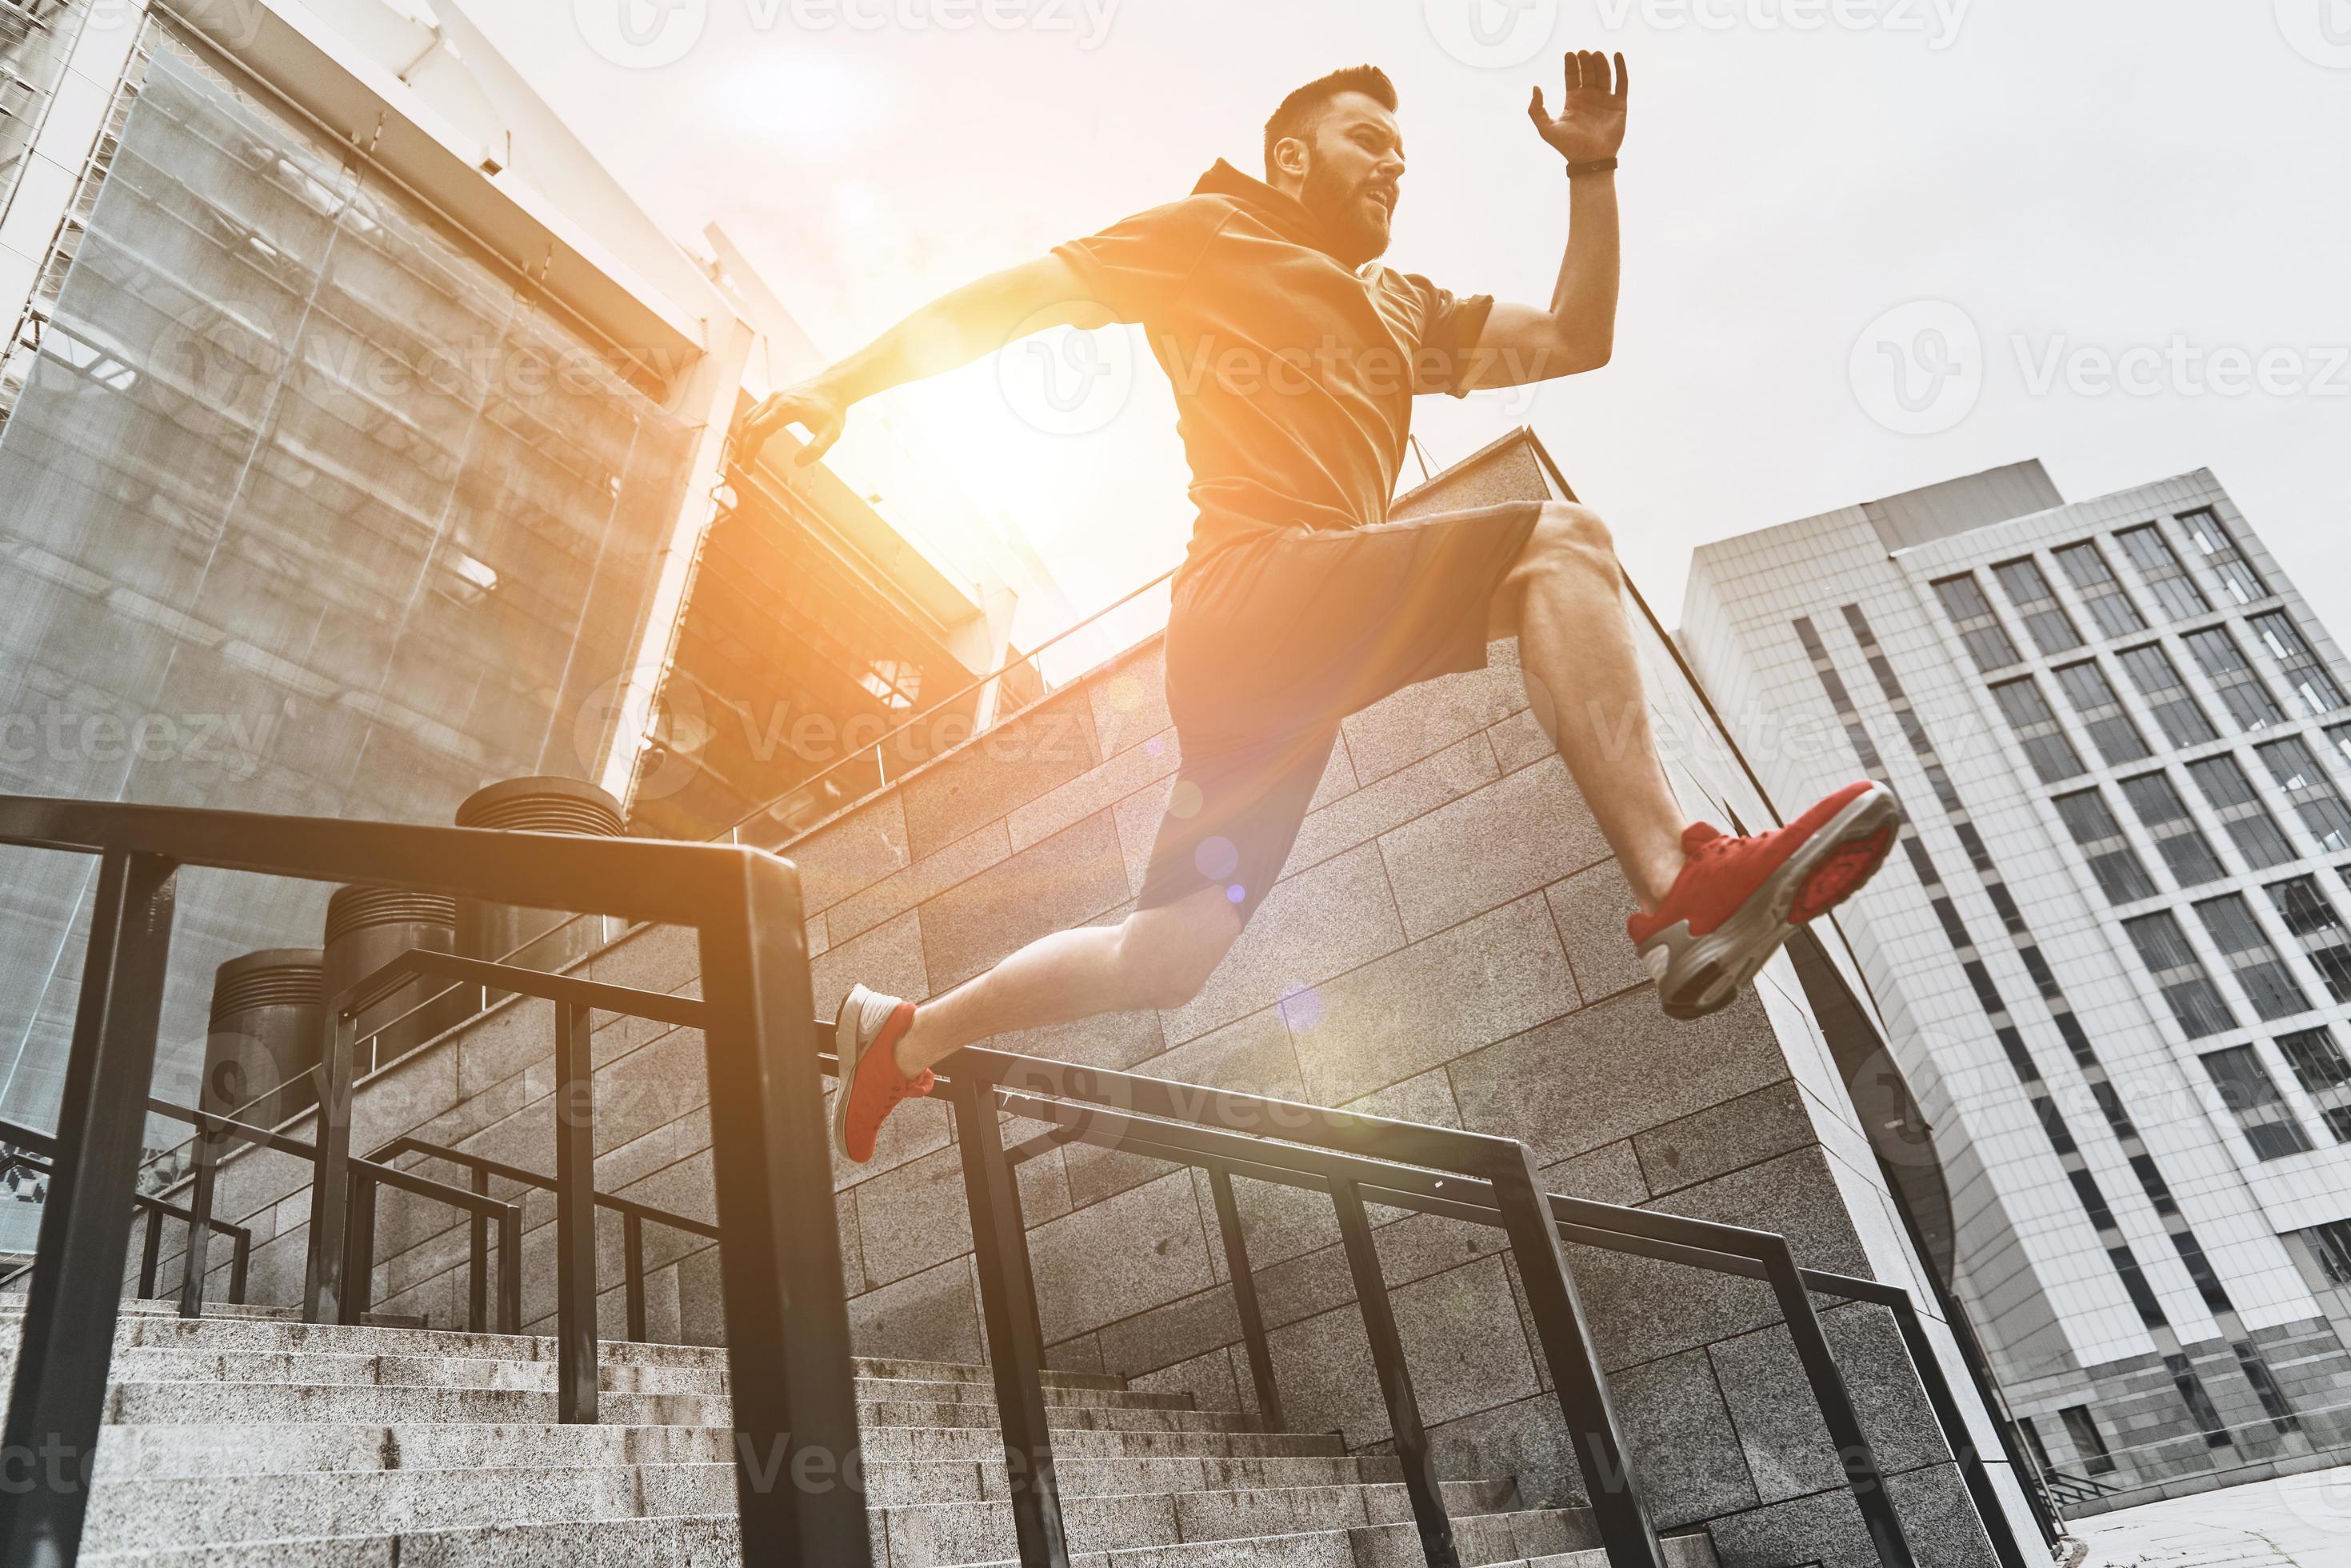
[1296,358]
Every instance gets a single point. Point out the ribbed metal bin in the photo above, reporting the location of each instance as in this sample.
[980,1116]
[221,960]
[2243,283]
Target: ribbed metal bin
[539,804]
[366,927]
[268,1021]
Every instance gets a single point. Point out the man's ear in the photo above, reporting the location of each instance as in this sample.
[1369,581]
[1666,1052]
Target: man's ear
[1289,156]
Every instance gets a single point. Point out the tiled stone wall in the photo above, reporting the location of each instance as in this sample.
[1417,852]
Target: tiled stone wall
[1444,945]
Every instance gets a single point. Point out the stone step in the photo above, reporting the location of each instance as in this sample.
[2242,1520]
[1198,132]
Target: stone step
[291,1335]
[200,1362]
[12,1309]
[963,1463]
[985,1445]
[940,1535]
[203,1401]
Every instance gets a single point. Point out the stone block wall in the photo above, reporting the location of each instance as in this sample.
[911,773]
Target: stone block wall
[1444,945]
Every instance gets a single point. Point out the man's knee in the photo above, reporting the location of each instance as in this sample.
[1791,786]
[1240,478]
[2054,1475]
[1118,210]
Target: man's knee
[1571,535]
[1171,951]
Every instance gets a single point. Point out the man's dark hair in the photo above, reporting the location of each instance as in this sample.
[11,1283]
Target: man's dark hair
[1299,111]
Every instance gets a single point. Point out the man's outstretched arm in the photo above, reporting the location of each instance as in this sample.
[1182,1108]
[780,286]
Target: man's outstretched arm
[953,329]
[1577,332]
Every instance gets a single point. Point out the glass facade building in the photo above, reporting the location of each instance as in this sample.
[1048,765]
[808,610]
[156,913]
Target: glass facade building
[2114,946]
[304,507]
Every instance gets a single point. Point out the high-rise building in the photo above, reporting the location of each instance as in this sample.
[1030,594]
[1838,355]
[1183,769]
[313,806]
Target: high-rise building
[2111,949]
[360,436]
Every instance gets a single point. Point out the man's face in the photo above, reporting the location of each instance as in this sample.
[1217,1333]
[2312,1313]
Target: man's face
[1354,166]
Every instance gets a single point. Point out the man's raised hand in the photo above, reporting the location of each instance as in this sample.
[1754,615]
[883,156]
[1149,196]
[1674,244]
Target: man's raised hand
[1591,122]
[804,403]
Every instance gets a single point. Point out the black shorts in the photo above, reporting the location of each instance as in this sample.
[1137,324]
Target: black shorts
[1274,640]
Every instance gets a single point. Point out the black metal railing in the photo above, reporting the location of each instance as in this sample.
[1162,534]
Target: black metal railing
[1360,1160]
[790,1377]
[214,1132]
[156,1209]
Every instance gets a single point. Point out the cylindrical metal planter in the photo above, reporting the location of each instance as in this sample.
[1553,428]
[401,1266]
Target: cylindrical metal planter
[369,926]
[267,1024]
[533,805]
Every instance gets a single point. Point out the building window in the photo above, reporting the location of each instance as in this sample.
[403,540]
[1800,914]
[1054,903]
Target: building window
[2091,1446]
[2304,673]
[2317,1063]
[2085,566]
[2185,983]
[2121,876]
[2304,907]
[2210,537]
[2162,811]
[2051,754]
[2229,920]
[2312,789]
[2165,577]
[2045,620]
[2225,787]
[2093,695]
[2330,1243]
[2339,736]
[2254,1099]
[1988,643]
[2157,679]
[2248,700]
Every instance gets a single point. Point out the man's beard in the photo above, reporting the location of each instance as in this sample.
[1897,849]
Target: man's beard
[1340,209]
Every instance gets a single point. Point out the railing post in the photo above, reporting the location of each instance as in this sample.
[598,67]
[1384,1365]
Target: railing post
[788,1349]
[1420,1481]
[632,1250]
[240,1254]
[1948,1415]
[358,1251]
[1560,1323]
[151,1254]
[194,1260]
[1835,1400]
[1016,1338]
[322,1285]
[575,1218]
[510,1269]
[66,1349]
[1236,1264]
[477,1274]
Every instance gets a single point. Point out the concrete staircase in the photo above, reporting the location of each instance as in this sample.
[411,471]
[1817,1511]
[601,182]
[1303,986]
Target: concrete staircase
[251,1440]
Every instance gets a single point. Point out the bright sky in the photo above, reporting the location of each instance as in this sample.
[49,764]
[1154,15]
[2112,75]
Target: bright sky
[2159,183]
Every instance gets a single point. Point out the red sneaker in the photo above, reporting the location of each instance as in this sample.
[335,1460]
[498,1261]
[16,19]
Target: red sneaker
[1737,900]
[866,1034]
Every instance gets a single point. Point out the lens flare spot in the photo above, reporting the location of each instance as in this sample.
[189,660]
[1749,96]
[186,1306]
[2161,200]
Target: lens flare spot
[1185,799]
[1236,892]
[1216,859]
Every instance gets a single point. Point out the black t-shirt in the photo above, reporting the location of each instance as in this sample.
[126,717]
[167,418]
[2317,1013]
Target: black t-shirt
[1295,377]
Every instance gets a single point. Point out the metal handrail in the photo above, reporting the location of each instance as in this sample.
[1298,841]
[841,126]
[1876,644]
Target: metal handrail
[156,1209]
[790,1376]
[1360,1160]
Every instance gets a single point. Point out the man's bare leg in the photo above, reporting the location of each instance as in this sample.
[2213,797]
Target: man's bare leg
[1564,602]
[1153,958]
